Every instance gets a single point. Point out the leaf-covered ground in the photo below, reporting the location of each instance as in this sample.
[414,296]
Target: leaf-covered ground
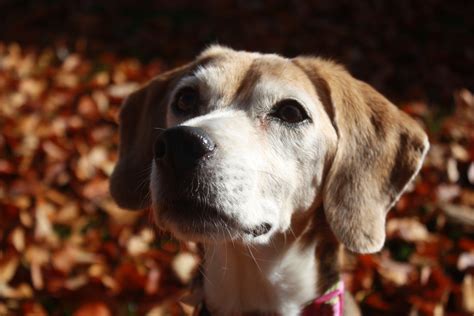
[66,248]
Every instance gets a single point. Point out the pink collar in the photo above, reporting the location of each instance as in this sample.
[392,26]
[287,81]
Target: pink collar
[329,304]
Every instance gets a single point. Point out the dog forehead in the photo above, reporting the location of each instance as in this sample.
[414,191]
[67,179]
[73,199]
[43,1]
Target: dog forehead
[230,74]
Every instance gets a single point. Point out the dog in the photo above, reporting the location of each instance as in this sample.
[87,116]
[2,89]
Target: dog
[271,164]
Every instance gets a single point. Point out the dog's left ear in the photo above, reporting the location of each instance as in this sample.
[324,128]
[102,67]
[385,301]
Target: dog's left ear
[379,151]
[142,116]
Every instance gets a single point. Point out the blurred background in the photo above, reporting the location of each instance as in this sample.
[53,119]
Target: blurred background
[65,67]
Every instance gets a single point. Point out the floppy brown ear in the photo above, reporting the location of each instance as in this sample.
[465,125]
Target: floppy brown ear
[380,150]
[142,114]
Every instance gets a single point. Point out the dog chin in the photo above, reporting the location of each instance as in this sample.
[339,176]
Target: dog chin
[207,225]
[223,235]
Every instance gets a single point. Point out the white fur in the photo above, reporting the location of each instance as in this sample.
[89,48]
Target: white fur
[239,278]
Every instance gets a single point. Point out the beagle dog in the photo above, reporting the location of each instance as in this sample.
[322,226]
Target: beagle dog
[271,164]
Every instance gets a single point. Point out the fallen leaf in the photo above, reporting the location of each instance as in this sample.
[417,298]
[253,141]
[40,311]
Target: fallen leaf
[17,237]
[184,264]
[95,308]
[409,229]
[8,267]
[468,293]
[396,272]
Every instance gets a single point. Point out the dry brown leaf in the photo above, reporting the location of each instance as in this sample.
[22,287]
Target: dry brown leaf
[32,87]
[119,215]
[76,282]
[44,211]
[447,192]
[468,293]
[71,63]
[459,213]
[452,170]
[67,214]
[464,105]
[122,90]
[17,238]
[33,309]
[101,100]
[67,80]
[110,283]
[95,308]
[3,309]
[159,310]
[8,267]
[88,108]
[153,280]
[101,79]
[467,197]
[136,246]
[470,173]
[97,188]
[56,197]
[396,272]
[69,256]
[37,257]
[184,264]
[459,152]
[465,261]
[409,229]
[22,291]
[26,219]
[6,167]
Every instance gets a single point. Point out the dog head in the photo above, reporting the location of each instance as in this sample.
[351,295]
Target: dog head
[234,144]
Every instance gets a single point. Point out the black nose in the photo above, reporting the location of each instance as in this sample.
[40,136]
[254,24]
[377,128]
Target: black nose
[183,146]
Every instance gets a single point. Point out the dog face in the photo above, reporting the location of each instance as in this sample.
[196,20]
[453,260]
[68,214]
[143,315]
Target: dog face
[233,145]
[271,139]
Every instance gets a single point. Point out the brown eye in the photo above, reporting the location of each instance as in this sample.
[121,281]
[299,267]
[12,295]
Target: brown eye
[186,101]
[290,111]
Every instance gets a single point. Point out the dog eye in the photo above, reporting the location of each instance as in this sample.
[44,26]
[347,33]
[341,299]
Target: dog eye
[290,111]
[186,100]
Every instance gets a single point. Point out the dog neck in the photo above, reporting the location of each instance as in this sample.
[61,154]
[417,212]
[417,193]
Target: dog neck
[280,278]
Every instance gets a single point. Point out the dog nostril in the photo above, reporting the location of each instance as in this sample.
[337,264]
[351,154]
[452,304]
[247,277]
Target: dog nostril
[159,150]
[260,230]
[266,228]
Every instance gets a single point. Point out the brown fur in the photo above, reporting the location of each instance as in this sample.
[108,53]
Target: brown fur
[378,150]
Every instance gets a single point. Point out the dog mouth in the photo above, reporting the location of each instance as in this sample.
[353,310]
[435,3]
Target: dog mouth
[194,220]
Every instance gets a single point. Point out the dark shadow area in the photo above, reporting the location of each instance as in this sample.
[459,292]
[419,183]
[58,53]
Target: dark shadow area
[407,49]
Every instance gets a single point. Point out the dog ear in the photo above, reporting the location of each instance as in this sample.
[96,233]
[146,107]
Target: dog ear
[379,151]
[141,117]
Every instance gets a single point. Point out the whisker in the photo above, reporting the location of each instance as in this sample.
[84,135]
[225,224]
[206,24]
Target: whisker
[292,232]
[150,217]
[225,265]
[201,270]
[254,260]
[230,236]
[213,249]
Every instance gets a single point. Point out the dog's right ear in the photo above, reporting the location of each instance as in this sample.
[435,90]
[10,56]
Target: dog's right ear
[142,115]
[379,151]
